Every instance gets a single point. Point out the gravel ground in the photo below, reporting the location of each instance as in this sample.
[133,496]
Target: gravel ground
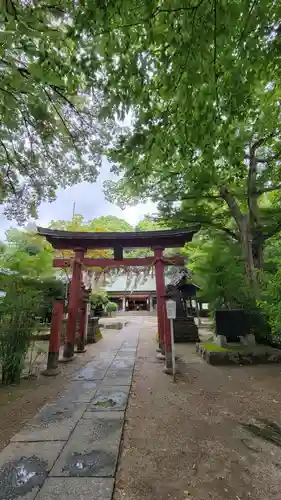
[214,434]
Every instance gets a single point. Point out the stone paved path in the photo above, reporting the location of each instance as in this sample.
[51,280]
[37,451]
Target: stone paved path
[213,435]
[70,449]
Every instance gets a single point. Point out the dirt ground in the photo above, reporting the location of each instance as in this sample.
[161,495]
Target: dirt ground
[214,434]
[18,404]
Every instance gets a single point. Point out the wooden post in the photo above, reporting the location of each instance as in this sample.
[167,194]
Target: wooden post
[168,342]
[197,312]
[54,342]
[73,305]
[160,295]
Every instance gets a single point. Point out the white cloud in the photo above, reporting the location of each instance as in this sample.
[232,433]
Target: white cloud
[136,213]
[89,201]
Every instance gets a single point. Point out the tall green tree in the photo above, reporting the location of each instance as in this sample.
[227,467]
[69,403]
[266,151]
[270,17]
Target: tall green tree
[271,291]
[109,223]
[218,269]
[149,223]
[202,84]
[77,223]
[28,254]
[51,133]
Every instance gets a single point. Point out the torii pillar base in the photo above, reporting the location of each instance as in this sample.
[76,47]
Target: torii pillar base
[168,363]
[52,369]
[68,349]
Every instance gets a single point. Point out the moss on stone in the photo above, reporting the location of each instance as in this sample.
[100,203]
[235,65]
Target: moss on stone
[238,354]
[214,347]
[98,334]
[106,403]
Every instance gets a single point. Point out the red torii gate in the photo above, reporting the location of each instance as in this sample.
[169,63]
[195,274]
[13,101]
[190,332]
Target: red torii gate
[81,242]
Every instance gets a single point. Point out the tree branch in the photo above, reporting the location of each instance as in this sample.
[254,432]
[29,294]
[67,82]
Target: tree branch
[9,93]
[10,162]
[252,201]
[265,160]
[202,221]
[272,233]
[215,51]
[151,16]
[225,230]
[192,197]
[247,20]
[268,189]
[178,9]
[232,205]
[261,141]
[57,90]
[259,160]
[60,116]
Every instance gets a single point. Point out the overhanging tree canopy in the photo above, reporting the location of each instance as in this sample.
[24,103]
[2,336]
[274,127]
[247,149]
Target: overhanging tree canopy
[202,81]
[51,132]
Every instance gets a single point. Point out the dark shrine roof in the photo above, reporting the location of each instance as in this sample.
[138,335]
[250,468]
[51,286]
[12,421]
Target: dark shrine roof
[182,278]
[169,238]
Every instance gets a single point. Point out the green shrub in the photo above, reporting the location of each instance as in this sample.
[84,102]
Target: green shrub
[270,303]
[51,289]
[111,307]
[98,301]
[219,271]
[18,311]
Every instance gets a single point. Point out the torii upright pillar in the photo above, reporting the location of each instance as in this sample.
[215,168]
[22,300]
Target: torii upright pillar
[73,305]
[160,296]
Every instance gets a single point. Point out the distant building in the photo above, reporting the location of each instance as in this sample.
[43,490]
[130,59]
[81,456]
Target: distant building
[141,297]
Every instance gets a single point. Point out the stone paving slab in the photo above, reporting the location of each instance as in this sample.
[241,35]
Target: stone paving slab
[79,391]
[77,488]
[131,343]
[125,355]
[92,371]
[119,371]
[116,381]
[24,468]
[128,349]
[54,422]
[110,398]
[122,364]
[93,448]
[106,355]
[92,414]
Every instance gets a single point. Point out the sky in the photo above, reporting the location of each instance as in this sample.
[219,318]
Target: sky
[89,201]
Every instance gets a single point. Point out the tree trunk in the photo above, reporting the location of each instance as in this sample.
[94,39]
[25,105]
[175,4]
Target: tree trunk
[254,210]
[248,255]
[258,249]
[243,222]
